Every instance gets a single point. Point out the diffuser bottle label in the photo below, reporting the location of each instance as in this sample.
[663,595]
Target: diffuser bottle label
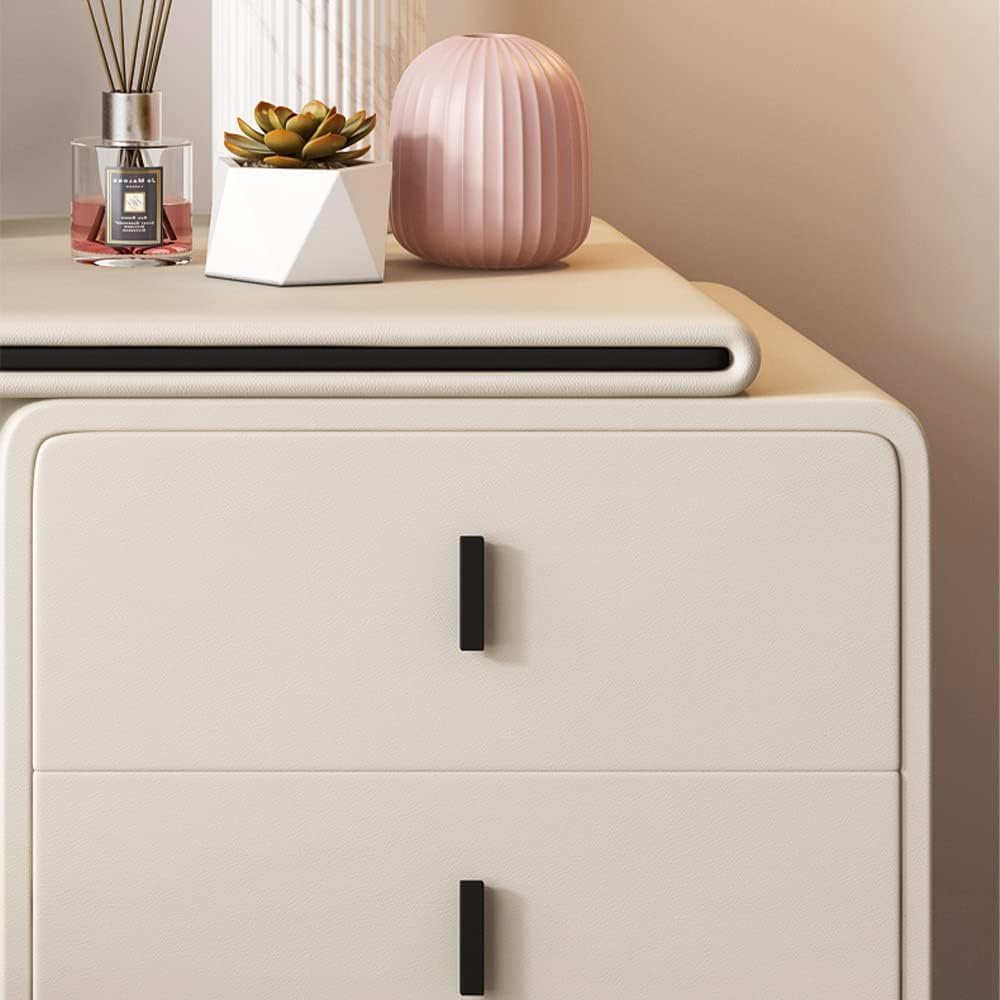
[135,206]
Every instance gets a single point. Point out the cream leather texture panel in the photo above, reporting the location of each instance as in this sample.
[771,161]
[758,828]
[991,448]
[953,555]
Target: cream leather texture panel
[610,292]
[255,887]
[219,601]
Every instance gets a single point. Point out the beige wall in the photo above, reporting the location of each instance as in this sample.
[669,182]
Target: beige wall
[838,162]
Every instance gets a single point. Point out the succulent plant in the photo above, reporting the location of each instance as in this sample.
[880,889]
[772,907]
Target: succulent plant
[316,137]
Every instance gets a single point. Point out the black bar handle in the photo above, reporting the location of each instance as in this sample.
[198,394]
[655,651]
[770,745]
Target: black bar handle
[471,939]
[471,593]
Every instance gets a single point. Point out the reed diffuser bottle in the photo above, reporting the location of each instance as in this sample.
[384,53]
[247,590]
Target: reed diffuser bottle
[131,187]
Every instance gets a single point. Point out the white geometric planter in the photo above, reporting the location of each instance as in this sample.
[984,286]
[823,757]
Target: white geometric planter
[299,227]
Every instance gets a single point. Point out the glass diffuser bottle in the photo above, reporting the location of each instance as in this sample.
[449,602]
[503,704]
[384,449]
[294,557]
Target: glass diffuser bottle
[132,189]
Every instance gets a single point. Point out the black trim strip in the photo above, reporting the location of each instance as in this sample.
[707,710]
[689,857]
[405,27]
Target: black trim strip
[364,359]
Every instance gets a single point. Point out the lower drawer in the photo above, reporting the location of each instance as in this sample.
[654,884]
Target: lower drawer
[598,885]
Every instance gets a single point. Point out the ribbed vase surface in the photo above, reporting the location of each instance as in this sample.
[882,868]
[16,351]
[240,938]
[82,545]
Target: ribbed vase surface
[491,154]
[348,52]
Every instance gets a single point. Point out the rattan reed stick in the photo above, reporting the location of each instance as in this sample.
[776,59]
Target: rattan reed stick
[145,37]
[121,39]
[159,46]
[100,45]
[135,47]
[146,47]
[111,44]
[159,6]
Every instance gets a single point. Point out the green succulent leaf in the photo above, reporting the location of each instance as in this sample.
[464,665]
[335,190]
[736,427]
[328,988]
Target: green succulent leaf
[284,142]
[262,115]
[305,125]
[360,131]
[325,145]
[316,109]
[249,131]
[278,116]
[332,123]
[251,145]
[348,155]
[288,162]
[353,122]
[242,153]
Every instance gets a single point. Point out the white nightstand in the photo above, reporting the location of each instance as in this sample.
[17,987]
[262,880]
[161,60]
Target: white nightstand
[246,757]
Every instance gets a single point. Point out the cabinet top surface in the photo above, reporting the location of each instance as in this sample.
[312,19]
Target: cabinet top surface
[610,292]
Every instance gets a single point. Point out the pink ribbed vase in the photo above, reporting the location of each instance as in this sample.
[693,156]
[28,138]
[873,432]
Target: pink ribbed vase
[491,154]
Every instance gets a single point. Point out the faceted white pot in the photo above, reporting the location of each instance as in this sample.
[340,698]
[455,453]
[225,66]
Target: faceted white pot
[299,227]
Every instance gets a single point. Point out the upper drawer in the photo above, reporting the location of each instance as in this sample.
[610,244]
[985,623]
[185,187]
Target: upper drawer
[215,600]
